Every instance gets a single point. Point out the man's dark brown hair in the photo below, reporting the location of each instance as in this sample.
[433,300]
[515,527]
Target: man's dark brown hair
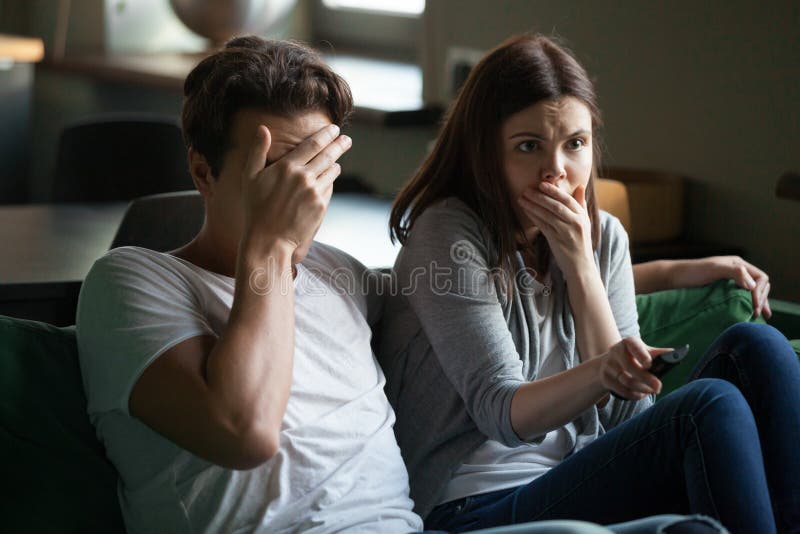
[282,78]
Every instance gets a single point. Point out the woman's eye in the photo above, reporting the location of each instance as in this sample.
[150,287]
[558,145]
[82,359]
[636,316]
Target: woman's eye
[575,144]
[528,146]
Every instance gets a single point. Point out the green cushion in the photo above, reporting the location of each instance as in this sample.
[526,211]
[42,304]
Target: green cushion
[695,316]
[56,476]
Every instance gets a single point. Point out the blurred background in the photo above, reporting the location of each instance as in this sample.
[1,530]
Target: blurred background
[701,95]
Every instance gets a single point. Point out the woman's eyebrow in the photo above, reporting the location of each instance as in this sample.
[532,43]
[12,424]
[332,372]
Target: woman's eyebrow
[527,134]
[539,136]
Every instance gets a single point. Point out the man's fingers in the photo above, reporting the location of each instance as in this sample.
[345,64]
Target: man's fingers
[257,157]
[323,161]
[313,145]
[326,179]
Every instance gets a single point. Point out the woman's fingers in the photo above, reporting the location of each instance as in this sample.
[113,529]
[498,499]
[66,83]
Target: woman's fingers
[641,358]
[763,300]
[552,206]
[537,214]
[767,309]
[625,385]
[580,196]
[627,366]
[743,278]
[759,294]
[562,197]
[751,277]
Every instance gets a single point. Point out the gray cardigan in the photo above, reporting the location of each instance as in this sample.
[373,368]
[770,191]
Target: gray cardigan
[455,347]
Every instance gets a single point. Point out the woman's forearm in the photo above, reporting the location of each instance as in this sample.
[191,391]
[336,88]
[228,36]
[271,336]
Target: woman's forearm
[595,328]
[544,405]
[653,276]
[660,275]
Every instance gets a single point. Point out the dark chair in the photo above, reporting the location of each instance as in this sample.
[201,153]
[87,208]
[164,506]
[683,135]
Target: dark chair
[120,157]
[161,222]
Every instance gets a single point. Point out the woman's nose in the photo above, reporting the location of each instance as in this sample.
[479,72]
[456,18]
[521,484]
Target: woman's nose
[553,169]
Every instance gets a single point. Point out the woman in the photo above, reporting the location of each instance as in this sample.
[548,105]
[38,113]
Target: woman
[515,318]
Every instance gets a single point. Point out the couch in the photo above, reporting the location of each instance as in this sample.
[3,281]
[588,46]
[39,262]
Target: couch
[59,479]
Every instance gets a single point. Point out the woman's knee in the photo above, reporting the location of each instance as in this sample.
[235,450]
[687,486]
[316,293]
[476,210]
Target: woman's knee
[712,397]
[760,344]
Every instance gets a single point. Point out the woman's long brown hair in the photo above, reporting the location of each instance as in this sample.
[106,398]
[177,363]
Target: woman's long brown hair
[466,161]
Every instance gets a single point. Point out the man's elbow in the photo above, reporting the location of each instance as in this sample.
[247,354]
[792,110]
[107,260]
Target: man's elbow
[252,447]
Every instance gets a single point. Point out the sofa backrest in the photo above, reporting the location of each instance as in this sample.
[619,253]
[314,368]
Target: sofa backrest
[54,469]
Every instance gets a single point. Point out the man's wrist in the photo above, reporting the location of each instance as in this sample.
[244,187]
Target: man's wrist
[265,266]
[259,248]
[263,260]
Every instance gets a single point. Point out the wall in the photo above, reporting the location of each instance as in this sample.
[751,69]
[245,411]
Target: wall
[705,89]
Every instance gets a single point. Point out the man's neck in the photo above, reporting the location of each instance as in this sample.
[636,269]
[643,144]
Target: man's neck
[209,253]
[212,254]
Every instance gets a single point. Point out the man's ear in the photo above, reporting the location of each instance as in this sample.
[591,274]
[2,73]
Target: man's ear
[200,170]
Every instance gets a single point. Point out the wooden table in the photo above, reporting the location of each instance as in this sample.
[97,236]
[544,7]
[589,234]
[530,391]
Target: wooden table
[48,249]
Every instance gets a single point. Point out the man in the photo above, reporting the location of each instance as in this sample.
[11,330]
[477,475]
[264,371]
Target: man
[232,383]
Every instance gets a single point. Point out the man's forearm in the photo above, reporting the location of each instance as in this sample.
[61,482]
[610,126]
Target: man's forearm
[249,371]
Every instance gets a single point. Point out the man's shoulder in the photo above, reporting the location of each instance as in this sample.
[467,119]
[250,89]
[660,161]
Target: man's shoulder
[128,279]
[122,258]
[329,258]
[136,264]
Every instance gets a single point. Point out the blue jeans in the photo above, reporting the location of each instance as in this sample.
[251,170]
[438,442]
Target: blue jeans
[698,450]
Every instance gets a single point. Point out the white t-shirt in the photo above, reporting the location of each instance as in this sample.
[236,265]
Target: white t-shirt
[493,466]
[338,466]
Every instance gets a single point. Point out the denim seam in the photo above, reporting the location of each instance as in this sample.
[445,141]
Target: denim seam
[603,466]
[703,465]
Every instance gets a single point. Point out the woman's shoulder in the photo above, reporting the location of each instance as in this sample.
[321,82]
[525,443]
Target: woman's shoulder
[449,216]
[611,227]
[613,237]
[448,207]
[447,230]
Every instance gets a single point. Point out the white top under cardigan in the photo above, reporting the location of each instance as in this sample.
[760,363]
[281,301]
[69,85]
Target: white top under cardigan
[493,466]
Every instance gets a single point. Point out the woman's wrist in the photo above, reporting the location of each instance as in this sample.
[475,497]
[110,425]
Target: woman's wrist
[582,272]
